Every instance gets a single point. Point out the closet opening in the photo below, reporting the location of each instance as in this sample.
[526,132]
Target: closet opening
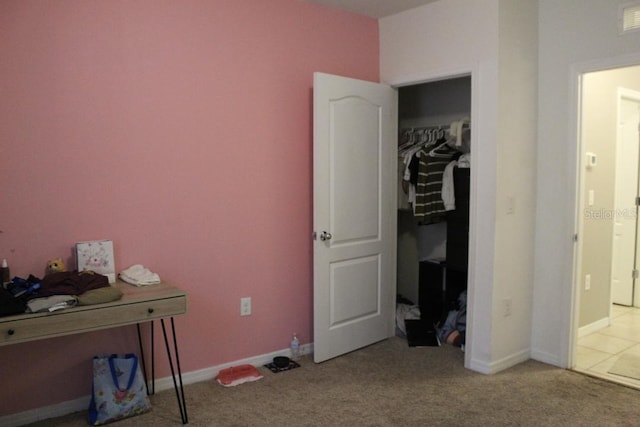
[434,161]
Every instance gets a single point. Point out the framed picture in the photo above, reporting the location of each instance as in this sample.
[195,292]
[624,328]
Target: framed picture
[97,256]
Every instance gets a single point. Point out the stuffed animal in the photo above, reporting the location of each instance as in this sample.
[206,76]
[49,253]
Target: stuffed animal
[55,266]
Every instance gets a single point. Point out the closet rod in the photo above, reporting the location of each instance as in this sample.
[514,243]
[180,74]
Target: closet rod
[423,128]
[444,127]
[410,136]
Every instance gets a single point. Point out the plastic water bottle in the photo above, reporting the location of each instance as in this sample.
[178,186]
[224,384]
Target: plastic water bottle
[295,347]
[4,273]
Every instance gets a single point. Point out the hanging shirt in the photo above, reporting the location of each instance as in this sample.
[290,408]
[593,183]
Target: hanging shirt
[429,207]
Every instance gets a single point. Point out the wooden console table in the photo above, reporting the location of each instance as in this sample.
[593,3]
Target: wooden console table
[137,305]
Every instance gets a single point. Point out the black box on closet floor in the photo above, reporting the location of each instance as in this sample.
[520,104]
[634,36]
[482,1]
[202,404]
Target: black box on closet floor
[438,289]
[421,333]
[431,286]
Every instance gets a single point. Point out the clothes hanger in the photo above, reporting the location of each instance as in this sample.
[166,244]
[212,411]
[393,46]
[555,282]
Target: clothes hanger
[433,152]
[430,138]
[409,140]
[442,142]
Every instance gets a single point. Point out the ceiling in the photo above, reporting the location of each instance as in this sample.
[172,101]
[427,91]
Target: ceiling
[373,8]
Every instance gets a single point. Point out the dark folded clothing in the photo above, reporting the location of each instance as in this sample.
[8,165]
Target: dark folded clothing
[71,283]
[10,305]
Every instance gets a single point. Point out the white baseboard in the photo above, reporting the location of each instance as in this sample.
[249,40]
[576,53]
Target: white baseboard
[511,360]
[45,412]
[500,365]
[82,403]
[544,357]
[553,359]
[594,327]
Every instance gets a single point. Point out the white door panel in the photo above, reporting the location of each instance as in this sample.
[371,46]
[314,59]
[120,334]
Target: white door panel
[355,290]
[355,173]
[355,149]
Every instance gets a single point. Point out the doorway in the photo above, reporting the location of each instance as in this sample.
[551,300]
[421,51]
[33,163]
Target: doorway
[433,230]
[608,325]
[324,236]
[624,286]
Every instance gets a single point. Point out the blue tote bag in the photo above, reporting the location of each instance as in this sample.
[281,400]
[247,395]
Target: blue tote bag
[118,389]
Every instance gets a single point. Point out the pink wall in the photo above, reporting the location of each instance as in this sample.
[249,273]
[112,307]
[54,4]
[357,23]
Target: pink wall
[182,131]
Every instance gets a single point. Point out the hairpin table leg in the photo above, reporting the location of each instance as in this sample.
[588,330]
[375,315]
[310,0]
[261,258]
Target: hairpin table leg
[144,366]
[153,359]
[179,393]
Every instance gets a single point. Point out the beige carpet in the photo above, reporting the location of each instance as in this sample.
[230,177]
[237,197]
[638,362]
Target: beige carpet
[390,384]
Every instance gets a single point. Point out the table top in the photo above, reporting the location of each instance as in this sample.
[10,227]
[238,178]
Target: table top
[138,304]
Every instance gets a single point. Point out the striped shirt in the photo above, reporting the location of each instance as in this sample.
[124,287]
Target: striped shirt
[429,207]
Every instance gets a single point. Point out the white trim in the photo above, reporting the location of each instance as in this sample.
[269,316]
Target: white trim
[166,383]
[502,364]
[567,353]
[432,76]
[472,70]
[628,94]
[594,327]
[472,266]
[544,357]
[46,412]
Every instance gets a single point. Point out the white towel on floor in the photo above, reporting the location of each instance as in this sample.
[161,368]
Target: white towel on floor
[139,275]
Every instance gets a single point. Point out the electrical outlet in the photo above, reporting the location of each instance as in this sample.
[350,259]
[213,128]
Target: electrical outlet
[245,306]
[506,307]
[511,205]
[587,282]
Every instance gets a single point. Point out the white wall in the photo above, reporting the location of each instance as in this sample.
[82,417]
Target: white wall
[451,37]
[516,177]
[574,35]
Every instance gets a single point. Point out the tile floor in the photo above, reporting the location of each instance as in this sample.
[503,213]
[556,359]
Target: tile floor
[598,351]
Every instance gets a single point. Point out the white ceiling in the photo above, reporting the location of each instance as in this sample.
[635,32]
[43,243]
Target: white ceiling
[373,8]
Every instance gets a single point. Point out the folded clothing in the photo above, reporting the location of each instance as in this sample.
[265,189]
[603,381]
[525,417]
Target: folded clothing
[71,283]
[139,275]
[100,296]
[51,303]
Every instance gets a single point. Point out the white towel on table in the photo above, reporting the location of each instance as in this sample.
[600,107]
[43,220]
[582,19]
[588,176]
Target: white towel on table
[139,275]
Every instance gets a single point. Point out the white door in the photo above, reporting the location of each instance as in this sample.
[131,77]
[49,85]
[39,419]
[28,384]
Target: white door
[626,190]
[632,132]
[354,193]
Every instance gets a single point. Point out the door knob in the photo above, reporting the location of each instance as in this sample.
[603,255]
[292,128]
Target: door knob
[324,236]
